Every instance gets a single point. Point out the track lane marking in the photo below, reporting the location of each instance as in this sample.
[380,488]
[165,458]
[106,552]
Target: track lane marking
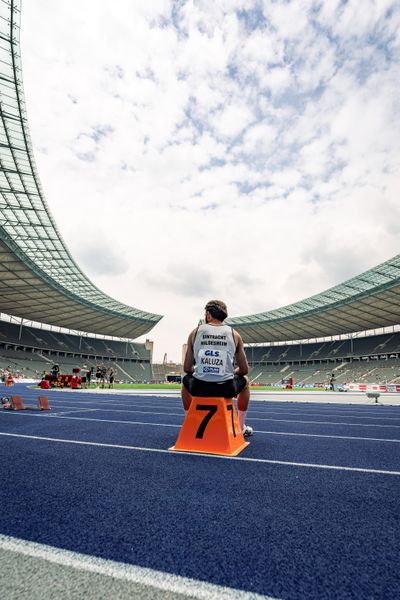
[324,422]
[126,422]
[251,411]
[323,414]
[78,410]
[334,437]
[120,410]
[132,402]
[180,414]
[201,455]
[108,403]
[144,576]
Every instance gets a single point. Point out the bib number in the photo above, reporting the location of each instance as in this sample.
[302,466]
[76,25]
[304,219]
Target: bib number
[212,362]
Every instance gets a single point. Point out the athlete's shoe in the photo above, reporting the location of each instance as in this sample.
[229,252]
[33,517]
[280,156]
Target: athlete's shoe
[247,431]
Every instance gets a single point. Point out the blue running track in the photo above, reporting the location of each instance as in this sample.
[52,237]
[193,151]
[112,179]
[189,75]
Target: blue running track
[315,514]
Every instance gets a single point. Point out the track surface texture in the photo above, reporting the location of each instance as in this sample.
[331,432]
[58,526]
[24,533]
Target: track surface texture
[310,510]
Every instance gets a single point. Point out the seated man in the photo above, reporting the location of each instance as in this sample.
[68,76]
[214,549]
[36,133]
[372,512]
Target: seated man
[209,363]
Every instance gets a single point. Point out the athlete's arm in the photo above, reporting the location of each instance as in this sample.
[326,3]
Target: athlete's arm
[241,359]
[188,364]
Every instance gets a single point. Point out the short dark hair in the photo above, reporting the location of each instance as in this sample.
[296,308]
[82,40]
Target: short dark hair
[217,309]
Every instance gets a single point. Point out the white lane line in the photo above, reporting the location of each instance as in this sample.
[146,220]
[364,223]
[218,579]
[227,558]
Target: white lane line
[331,437]
[113,403]
[201,455]
[122,406]
[267,410]
[322,422]
[348,408]
[323,414]
[113,421]
[126,422]
[159,580]
[252,409]
[260,404]
[180,414]
[316,435]
[127,411]
[69,412]
[121,422]
[132,407]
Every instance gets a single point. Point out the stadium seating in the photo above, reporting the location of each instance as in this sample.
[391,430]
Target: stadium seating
[29,351]
[369,359]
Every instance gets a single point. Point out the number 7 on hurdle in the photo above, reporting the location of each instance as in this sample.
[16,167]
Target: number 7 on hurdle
[211,426]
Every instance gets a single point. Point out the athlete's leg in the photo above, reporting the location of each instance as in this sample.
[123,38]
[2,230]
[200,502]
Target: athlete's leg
[244,396]
[186,398]
[243,399]
[185,393]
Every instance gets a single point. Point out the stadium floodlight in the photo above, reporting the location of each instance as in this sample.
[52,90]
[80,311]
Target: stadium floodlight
[39,279]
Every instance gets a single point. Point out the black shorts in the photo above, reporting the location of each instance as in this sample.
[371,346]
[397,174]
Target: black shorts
[205,389]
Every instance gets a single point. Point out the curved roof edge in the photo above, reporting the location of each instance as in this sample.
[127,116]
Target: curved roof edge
[28,232]
[367,301]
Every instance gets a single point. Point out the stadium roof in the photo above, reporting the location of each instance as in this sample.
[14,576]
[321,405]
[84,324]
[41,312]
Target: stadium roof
[368,301]
[39,280]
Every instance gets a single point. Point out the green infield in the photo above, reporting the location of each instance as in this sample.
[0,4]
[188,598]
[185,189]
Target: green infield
[177,386]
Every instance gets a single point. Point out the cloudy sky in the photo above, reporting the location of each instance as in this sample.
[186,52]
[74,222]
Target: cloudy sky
[247,150]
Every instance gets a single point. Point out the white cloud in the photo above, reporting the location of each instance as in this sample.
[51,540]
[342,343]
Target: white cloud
[288,18]
[201,150]
[261,47]
[258,139]
[232,119]
[277,80]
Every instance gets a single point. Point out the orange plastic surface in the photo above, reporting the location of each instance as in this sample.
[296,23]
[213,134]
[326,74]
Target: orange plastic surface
[17,403]
[43,402]
[211,426]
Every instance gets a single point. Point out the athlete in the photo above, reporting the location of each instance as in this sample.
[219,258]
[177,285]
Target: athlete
[212,350]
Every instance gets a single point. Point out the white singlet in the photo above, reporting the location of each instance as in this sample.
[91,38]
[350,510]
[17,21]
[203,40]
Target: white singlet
[214,350]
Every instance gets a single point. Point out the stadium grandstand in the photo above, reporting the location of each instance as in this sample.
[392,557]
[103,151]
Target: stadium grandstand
[29,352]
[39,280]
[51,312]
[367,359]
[348,311]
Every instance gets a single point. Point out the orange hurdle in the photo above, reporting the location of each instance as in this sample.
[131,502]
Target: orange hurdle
[43,403]
[211,426]
[17,403]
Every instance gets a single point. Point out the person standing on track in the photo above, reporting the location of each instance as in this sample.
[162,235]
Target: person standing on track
[212,350]
[55,371]
[89,376]
[111,376]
